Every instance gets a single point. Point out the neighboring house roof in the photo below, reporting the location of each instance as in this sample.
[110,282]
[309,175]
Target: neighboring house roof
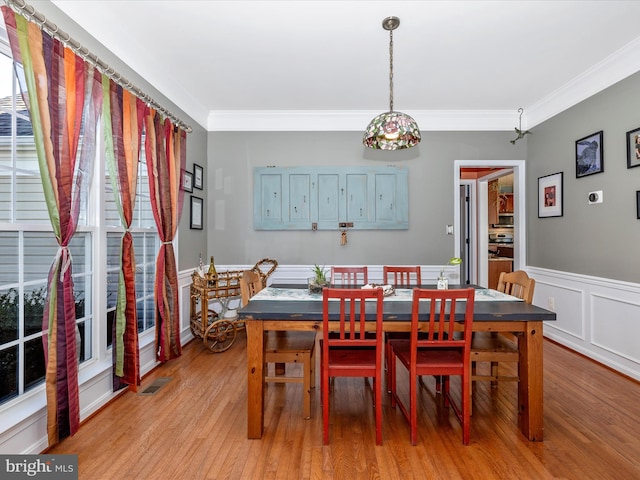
[6,106]
[24,126]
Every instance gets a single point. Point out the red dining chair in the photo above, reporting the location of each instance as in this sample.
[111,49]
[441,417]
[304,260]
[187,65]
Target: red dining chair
[403,276]
[441,354]
[349,276]
[346,350]
[398,276]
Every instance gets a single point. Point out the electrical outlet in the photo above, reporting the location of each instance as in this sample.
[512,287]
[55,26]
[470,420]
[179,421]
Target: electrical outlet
[595,197]
[551,304]
[449,229]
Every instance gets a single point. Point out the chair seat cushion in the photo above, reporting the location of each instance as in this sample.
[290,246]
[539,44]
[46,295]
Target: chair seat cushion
[492,342]
[289,341]
[348,358]
[432,358]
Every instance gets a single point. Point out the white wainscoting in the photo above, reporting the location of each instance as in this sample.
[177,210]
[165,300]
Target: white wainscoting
[597,317]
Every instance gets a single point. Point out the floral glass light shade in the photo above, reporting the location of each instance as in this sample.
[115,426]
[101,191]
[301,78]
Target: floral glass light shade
[391,130]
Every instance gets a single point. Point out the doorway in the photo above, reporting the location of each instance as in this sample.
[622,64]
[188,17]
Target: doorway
[478,251]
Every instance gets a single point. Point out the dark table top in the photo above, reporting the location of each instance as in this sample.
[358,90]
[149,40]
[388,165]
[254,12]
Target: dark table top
[393,310]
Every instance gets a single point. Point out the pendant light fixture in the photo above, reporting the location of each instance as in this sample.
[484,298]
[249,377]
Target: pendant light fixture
[391,130]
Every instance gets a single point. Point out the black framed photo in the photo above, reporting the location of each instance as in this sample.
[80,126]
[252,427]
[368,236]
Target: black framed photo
[198,173]
[550,195]
[187,181]
[196,213]
[589,158]
[638,204]
[633,148]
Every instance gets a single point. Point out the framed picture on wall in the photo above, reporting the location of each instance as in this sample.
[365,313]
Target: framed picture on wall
[550,195]
[187,181]
[633,148]
[589,159]
[198,172]
[196,213]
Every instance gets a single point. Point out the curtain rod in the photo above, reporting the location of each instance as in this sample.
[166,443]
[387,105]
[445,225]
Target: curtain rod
[29,12]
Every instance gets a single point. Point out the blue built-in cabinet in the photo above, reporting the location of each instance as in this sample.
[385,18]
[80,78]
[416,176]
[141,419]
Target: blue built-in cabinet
[323,198]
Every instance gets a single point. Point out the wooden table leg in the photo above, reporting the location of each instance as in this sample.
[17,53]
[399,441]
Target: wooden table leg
[255,378]
[530,392]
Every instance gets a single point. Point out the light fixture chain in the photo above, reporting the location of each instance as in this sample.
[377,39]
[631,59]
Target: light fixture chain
[391,70]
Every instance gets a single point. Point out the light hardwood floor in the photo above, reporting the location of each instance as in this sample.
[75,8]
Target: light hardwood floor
[195,428]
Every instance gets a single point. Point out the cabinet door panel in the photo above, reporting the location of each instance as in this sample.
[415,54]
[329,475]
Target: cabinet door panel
[271,199]
[299,198]
[328,200]
[357,198]
[385,198]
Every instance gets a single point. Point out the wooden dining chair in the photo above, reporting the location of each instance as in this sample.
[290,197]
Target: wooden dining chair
[497,348]
[402,276]
[285,347]
[347,351]
[441,354]
[341,276]
[398,276]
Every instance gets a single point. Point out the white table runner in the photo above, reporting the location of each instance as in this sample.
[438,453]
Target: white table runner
[401,294]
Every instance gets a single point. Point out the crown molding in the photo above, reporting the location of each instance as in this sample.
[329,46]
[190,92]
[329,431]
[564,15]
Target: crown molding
[616,67]
[332,120]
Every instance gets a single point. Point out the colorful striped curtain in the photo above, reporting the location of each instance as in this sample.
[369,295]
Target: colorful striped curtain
[122,119]
[65,96]
[165,148]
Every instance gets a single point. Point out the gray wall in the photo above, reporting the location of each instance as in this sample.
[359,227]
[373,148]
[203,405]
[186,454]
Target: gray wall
[603,239]
[190,241]
[232,157]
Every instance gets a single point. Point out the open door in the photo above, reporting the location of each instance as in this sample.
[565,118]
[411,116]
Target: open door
[479,246]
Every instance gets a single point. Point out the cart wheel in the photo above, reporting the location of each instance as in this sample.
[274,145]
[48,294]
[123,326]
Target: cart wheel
[220,335]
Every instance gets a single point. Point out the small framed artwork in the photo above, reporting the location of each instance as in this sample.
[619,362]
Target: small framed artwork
[198,173]
[638,204]
[187,181]
[633,148]
[550,195]
[589,159]
[196,213]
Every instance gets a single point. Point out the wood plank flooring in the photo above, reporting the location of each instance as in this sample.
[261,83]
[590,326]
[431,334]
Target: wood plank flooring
[195,428]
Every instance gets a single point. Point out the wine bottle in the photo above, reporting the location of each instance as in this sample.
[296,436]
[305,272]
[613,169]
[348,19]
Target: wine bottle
[211,273]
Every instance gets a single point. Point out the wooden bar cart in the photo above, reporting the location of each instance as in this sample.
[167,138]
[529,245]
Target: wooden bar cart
[218,332]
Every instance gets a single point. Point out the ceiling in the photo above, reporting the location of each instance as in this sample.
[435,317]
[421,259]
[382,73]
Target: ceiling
[324,65]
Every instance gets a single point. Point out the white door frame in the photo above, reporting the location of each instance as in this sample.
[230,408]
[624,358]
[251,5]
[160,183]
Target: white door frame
[482,223]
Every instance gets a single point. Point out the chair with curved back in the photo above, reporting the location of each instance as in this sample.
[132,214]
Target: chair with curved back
[349,276]
[494,347]
[284,347]
[347,349]
[441,354]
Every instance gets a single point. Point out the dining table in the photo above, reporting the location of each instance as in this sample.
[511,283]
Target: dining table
[291,307]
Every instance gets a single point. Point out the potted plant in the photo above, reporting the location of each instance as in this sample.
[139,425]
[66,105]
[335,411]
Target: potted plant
[319,280]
